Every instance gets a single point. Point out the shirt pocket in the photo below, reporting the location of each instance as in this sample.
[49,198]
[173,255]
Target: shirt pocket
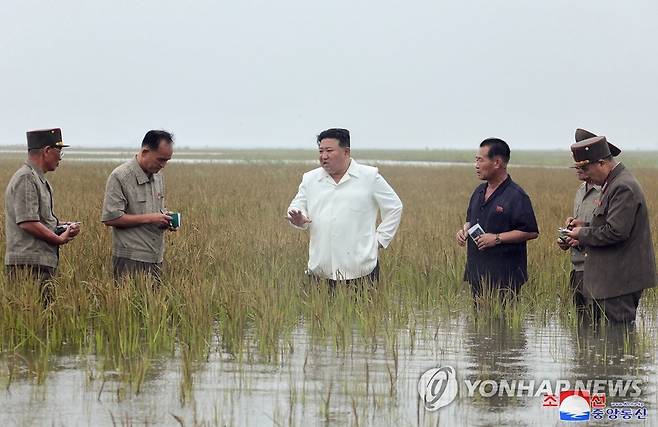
[499,222]
[141,202]
[159,195]
[46,214]
[45,209]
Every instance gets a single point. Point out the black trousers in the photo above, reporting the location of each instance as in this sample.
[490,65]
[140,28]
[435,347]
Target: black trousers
[127,267]
[42,274]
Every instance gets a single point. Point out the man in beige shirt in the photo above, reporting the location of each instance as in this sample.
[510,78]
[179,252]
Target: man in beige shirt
[134,207]
[33,232]
[587,198]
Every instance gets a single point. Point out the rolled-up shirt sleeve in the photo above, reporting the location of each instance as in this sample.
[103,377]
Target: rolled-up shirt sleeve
[390,208]
[26,200]
[115,202]
[299,203]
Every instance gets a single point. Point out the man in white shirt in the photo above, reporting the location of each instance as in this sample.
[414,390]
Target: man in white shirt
[338,203]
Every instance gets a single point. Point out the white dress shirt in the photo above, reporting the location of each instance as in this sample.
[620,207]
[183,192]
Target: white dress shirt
[344,241]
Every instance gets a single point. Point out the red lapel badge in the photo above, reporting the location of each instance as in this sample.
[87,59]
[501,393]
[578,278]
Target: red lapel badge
[499,209]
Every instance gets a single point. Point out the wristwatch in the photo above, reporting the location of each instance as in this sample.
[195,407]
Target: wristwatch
[498,241]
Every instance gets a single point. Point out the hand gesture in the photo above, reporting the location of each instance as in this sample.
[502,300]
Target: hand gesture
[297,218]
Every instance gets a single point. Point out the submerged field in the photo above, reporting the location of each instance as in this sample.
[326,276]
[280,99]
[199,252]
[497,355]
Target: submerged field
[236,335]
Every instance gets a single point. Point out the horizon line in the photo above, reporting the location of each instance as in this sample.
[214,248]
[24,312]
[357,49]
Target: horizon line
[254,148]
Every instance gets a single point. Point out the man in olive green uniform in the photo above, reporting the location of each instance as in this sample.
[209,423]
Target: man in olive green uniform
[33,232]
[617,245]
[135,209]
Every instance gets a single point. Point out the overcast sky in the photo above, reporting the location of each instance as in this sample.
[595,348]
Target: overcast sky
[398,74]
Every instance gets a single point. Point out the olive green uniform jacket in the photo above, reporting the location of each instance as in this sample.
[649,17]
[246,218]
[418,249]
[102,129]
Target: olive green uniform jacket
[619,255]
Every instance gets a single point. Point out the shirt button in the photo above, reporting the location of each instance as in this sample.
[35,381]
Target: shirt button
[585,255]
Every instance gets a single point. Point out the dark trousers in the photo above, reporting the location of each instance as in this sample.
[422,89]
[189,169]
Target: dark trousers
[576,284]
[621,309]
[127,267]
[369,279]
[39,273]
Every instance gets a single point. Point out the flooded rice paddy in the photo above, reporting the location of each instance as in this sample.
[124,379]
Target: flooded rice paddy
[237,335]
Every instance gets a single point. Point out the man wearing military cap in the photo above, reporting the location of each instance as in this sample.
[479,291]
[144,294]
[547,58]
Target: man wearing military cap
[33,232]
[616,243]
[587,196]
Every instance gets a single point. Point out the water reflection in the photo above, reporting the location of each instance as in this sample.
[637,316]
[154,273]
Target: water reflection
[610,353]
[496,351]
[316,383]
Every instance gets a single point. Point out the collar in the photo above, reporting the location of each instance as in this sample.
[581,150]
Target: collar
[142,178]
[589,187]
[614,173]
[501,186]
[37,169]
[352,170]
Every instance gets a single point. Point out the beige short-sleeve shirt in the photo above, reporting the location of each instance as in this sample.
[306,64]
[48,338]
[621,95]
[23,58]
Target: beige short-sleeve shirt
[29,197]
[130,190]
[586,200]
